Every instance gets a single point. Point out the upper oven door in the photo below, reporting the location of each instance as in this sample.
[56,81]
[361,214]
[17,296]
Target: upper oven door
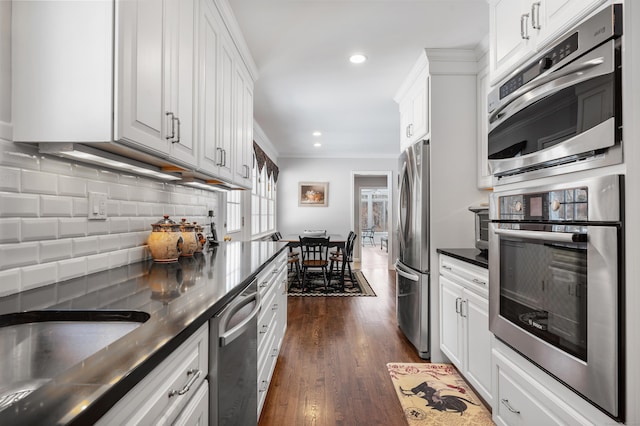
[554,297]
[559,117]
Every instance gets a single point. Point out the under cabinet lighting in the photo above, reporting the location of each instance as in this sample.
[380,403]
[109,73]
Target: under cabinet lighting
[205,185]
[87,154]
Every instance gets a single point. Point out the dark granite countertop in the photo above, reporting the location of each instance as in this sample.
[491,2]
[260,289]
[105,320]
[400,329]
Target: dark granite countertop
[470,255]
[85,392]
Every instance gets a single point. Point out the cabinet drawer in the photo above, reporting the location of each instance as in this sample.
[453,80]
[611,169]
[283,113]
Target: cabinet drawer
[522,400]
[156,399]
[267,277]
[471,276]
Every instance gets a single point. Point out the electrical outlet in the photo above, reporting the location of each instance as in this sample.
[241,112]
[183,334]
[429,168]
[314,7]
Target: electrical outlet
[97,206]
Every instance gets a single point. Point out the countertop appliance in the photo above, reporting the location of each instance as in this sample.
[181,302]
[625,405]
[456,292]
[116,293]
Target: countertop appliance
[412,266]
[481,226]
[561,111]
[233,397]
[557,293]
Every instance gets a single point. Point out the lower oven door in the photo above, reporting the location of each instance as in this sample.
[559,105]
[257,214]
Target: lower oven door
[555,298]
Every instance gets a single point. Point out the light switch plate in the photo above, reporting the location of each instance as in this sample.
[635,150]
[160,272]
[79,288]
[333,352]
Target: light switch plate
[97,206]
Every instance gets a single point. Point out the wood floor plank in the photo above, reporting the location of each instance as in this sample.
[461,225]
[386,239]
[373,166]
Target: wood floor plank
[332,365]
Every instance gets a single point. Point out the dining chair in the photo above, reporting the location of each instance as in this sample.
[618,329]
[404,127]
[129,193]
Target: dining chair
[315,252]
[367,235]
[345,256]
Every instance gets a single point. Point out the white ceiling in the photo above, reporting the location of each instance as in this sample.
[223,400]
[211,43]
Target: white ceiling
[306,83]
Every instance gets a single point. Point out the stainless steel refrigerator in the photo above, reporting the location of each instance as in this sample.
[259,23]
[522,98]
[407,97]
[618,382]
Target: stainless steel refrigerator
[412,266]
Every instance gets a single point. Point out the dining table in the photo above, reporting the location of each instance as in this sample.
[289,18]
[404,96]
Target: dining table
[335,240]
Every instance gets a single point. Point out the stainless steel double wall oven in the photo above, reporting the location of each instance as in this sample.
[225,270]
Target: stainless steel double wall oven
[556,249]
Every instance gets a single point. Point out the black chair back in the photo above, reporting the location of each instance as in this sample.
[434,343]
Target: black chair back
[348,248]
[315,251]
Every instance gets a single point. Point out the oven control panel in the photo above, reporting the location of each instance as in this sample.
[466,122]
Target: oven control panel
[566,205]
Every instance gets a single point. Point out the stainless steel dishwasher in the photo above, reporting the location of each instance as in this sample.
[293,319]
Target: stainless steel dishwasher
[233,361]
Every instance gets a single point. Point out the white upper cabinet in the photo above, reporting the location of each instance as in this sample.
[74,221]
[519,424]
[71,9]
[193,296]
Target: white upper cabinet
[156,71]
[5,71]
[413,99]
[519,28]
[158,78]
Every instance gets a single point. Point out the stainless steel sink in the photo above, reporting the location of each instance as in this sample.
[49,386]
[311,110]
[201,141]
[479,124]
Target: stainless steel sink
[39,345]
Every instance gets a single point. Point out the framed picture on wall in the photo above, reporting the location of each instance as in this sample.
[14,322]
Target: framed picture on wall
[313,194]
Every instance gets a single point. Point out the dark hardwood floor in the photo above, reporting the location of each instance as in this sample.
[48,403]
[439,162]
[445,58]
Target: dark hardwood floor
[332,365]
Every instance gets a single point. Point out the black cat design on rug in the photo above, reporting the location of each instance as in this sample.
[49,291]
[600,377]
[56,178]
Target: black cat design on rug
[437,401]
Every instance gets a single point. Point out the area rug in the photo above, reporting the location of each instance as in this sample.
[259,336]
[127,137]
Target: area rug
[435,394]
[315,286]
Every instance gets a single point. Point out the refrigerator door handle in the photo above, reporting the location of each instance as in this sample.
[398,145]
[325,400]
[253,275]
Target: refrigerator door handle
[407,275]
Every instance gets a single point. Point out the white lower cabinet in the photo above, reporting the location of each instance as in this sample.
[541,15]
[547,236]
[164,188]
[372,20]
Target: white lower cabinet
[525,395]
[175,391]
[272,321]
[464,322]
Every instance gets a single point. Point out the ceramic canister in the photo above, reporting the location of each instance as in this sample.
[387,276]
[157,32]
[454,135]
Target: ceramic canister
[190,238]
[165,241]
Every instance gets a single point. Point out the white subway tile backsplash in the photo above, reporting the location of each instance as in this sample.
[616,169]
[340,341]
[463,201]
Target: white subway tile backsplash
[72,268]
[97,263]
[72,186]
[9,282]
[45,234]
[128,208]
[9,231]
[73,227]
[18,205]
[39,229]
[108,243]
[55,165]
[97,227]
[80,207]
[55,206]
[38,275]
[118,258]
[84,246]
[118,225]
[14,255]
[9,179]
[38,182]
[118,192]
[55,250]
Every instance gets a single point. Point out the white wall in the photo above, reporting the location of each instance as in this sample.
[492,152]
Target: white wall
[337,216]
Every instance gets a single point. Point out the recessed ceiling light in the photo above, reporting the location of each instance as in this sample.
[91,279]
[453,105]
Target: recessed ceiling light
[358,58]
[317,144]
[317,133]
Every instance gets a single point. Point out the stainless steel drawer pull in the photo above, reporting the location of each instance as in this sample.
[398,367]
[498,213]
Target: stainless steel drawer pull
[264,329]
[458,300]
[275,307]
[477,281]
[187,387]
[264,385]
[448,268]
[505,402]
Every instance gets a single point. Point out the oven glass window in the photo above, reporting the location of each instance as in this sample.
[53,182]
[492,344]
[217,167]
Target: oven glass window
[554,119]
[543,290]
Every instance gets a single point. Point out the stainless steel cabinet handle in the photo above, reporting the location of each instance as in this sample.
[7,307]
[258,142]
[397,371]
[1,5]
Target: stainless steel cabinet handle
[505,402]
[187,386]
[219,162]
[463,303]
[264,385]
[173,128]
[177,139]
[224,158]
[458,299]
[448,268]
[561,237]
[524,32]
[275,307]
[264,329]
[535,16]
[477,281]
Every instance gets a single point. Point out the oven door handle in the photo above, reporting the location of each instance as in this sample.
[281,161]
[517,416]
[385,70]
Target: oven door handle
[560,237]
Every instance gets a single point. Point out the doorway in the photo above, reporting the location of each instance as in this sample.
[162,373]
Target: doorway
[372,211]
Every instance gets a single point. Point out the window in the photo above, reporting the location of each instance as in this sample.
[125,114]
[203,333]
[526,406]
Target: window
[234,211]
[263,202]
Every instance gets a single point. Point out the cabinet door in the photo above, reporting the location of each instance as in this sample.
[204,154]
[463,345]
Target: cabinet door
[196,413]
[420,110]
[225,109]
[450,320]
[557,16]
[179,99]
[510,25]
[142,115]
[243,125]
[477,343]
[484,178]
